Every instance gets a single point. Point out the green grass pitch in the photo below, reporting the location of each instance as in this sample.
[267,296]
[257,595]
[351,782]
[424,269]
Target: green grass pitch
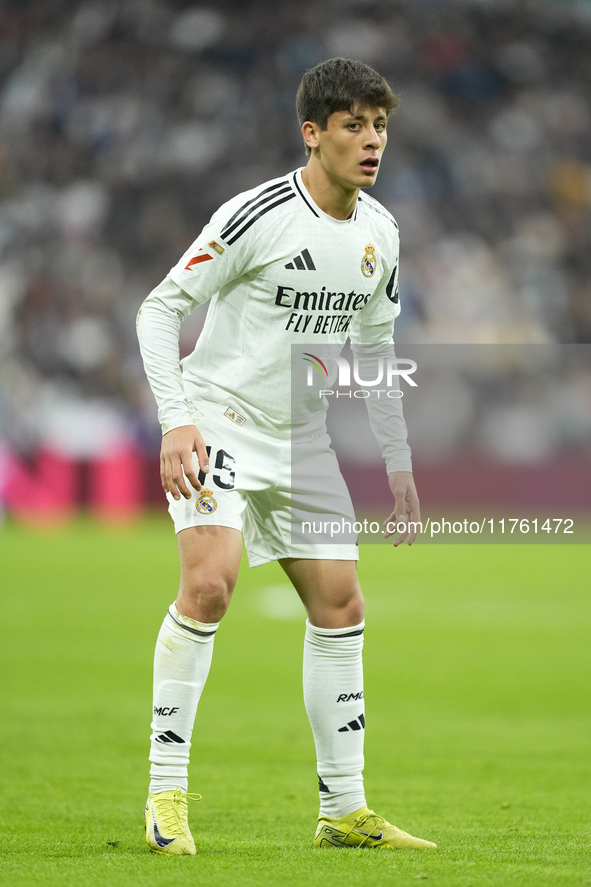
[478,701]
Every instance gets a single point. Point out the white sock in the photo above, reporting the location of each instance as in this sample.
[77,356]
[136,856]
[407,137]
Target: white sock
[181,664]
[333,696]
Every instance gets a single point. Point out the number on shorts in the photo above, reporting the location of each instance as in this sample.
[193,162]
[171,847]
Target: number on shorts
[201,475]
[224,462]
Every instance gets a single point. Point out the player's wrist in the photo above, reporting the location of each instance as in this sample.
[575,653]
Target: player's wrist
[167,428]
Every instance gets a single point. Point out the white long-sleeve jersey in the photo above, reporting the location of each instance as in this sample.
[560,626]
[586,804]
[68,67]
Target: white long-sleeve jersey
[284,279]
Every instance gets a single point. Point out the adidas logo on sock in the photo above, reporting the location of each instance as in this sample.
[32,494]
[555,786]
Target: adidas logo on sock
[169,736]
[298,262]
[322,786]
[357,724]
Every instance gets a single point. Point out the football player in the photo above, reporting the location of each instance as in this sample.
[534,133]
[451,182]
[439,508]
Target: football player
[292,268]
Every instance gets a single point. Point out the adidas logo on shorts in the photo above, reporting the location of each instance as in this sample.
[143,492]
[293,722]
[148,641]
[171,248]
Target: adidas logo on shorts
[234,416]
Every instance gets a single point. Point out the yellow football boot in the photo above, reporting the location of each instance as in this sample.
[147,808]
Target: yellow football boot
[167,829]
[364,828]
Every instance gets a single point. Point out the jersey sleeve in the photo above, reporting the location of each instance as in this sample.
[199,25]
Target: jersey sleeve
[371,342]
[211,262]
[385,414]
[158,326]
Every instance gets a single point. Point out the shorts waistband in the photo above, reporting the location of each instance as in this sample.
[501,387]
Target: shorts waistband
[243,417]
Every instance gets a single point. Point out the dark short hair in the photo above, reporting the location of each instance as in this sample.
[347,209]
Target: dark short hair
[339,85]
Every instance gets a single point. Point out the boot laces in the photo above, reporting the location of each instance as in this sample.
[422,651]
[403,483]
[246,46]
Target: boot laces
[368,821]
[172,811]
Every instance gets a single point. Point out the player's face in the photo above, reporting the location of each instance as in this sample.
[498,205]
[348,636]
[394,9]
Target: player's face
[350,148]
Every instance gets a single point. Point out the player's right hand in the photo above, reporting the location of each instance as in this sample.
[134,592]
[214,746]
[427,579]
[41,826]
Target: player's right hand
[176,460]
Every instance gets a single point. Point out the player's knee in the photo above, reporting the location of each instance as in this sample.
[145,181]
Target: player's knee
[348,609]
[354,609]
[207,589]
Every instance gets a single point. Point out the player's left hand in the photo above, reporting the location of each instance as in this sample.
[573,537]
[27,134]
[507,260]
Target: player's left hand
[406,508]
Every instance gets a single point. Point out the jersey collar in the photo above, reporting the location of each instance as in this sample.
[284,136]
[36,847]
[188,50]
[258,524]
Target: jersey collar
[303,192]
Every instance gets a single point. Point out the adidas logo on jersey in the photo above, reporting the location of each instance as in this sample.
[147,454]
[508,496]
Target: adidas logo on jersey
[303,262]
[357,724]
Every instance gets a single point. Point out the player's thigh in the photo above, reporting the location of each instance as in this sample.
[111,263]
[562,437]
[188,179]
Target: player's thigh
[329,590]
[209,558]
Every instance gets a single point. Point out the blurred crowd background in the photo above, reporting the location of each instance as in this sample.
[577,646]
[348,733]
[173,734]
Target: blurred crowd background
[125,123]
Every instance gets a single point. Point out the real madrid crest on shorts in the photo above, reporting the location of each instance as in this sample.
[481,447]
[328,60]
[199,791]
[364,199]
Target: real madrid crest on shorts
[369,261]
[206,504]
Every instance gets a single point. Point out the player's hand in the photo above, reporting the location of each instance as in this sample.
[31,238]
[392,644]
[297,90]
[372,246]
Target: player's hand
[176,457]
[406,508]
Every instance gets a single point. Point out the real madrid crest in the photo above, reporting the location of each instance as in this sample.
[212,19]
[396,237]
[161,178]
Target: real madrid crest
[206,504]
[369,261]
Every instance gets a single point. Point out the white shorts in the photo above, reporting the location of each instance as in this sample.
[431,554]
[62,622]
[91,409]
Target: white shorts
[288,498]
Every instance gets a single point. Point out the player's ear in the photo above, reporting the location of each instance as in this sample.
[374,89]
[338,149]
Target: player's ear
[310,134]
